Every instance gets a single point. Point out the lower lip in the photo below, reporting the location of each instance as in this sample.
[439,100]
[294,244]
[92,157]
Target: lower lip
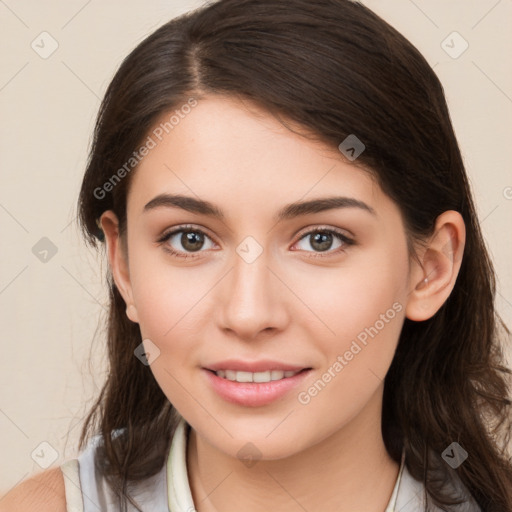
[254,394]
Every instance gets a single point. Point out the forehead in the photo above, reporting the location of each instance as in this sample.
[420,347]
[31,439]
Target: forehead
[233,153]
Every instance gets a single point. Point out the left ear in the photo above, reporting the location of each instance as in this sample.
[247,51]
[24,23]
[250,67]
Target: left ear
[433,277]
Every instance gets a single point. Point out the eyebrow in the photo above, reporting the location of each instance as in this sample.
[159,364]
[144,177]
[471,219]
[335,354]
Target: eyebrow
[289,211]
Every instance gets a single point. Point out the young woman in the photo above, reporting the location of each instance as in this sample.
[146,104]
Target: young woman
[302,306]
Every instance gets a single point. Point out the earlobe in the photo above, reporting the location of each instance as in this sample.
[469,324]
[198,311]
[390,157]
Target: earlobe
[433,277]
[118,261]
[131,313]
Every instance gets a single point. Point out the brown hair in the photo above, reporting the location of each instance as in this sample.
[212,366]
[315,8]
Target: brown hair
[335,68]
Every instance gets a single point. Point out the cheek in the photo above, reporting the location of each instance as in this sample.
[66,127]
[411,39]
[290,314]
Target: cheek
[171,305]
[361,308]
[356,361]
[345,302]
[167,306]
[168,297]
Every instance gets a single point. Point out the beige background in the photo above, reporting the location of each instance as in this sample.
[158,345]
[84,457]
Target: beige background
[50,310]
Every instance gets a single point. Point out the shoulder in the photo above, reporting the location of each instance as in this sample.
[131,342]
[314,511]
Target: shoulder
[44,492]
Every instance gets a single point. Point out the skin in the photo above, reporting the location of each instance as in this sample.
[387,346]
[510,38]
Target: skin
[287,305]
[43,492]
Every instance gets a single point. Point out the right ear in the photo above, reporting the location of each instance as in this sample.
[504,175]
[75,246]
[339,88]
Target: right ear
[118,261]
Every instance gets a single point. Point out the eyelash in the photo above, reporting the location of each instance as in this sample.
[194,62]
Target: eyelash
[347,242]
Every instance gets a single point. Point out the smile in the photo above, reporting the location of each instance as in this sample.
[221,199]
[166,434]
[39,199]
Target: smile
[254,389]
[242,376]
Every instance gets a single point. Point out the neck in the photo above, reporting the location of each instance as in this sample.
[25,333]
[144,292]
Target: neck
[349,470]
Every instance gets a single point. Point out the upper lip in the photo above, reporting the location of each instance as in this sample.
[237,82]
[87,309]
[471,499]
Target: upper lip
[254,366]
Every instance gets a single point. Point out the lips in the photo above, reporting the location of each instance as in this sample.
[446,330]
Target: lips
[251,394]
[254,366]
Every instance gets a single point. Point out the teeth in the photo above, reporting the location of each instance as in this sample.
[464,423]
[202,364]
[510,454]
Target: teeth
[267,376]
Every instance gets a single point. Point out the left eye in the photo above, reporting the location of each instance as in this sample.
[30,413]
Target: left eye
[321,240]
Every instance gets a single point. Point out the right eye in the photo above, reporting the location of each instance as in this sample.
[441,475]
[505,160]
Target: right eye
[189,238]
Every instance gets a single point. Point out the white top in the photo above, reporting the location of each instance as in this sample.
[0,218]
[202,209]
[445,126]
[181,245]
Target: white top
[169,490]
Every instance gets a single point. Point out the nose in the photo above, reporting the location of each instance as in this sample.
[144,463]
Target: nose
[253,300]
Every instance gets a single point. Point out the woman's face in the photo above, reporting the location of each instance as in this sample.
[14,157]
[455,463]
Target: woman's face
[263,287]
